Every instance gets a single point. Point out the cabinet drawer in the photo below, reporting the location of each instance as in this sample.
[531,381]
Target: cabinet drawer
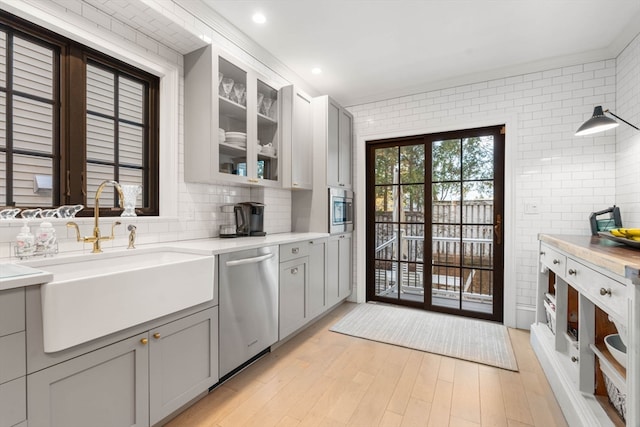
[294,250]
[553,259]
[13,402]
[606,293]
[13,359]
[11,311]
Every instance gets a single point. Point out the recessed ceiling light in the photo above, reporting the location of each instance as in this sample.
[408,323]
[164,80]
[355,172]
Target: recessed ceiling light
[316,70]
[259,18]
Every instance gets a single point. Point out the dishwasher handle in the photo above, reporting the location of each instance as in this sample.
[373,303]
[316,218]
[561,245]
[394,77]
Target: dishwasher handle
[253,260]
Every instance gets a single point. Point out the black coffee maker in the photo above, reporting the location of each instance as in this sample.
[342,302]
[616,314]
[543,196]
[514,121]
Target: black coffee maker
[249,219]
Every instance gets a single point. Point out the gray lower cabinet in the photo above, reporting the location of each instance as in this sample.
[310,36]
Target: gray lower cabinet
[294,275]
[183,361]
[339,268]
[302,284]
[13,405]
[107,387]
[316,301]
[134,382]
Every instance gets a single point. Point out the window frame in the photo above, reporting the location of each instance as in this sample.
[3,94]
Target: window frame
[70,116]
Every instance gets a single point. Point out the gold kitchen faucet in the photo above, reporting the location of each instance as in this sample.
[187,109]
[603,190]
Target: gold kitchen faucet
[97,236]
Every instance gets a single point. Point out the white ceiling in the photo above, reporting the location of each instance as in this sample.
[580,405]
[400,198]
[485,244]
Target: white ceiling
[376,49]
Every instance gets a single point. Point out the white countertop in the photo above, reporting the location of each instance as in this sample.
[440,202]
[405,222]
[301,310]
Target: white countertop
[15,274]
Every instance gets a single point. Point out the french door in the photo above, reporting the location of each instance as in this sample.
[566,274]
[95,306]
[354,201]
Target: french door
[434,210]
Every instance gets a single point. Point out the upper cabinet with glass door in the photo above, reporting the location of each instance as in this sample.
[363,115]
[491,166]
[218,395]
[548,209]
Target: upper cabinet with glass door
[231,121]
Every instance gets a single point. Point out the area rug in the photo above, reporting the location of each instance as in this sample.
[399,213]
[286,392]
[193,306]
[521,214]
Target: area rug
[454,336]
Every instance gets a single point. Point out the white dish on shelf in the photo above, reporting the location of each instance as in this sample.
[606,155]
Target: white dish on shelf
[237,134]
[617,348]
[622,330]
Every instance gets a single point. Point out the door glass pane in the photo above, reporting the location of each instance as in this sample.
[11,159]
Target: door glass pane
[412,164]
[446,160]
[232,120]
[477,157]
[268,142]
[386,163]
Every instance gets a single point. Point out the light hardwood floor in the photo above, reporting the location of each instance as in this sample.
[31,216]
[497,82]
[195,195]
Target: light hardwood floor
[322,378]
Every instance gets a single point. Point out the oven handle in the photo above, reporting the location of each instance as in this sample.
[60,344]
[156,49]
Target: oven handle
[253,260]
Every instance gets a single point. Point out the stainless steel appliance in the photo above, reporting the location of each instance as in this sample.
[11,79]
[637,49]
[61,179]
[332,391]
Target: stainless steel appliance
[249,219]
[340,210]
[248,295]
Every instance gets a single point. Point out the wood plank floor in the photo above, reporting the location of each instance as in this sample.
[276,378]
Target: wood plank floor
[322,378]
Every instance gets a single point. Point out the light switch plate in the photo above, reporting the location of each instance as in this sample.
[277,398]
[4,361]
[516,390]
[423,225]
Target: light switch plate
[531,207]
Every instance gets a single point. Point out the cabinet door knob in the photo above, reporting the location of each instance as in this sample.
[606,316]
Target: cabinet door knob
[294,270]
[572,272]
[604,291]
[295,250]
[543,253]
[156,335]
[574,359]
[144,341]
[556,261]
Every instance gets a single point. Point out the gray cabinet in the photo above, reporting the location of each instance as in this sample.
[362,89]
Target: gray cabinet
[297,139]
[333,128]
[13,406]
[302,284]
[183,361]
[134,382]
[316,301]
[294,275]
[106,387]
[339,268]
[236,154]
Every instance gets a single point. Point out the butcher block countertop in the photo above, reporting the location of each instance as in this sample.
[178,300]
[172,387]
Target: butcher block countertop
[612,256]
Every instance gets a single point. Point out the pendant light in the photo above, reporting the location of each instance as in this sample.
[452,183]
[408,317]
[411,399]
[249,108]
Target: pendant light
[599,123]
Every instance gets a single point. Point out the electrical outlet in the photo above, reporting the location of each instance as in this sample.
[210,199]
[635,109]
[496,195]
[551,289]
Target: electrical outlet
[531,207]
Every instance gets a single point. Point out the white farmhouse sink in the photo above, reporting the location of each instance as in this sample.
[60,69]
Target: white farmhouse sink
[94,295]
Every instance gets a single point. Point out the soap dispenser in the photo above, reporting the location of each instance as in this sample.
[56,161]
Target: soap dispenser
[46,237]
[25,241]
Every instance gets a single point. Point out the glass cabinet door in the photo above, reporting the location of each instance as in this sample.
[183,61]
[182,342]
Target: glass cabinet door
[232,132]
[268,146]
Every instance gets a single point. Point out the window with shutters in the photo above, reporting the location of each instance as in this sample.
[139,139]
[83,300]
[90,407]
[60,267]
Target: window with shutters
[71,118]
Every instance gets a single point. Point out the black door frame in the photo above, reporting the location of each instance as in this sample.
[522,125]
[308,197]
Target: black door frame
[498,132]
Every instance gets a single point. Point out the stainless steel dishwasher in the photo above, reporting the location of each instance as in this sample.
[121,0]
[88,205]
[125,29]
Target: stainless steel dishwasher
[248,296]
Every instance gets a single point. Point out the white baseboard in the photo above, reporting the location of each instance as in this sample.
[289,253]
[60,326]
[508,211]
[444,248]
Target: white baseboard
[525,316]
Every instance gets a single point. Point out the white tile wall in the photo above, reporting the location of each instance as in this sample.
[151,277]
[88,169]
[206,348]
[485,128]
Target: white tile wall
[568,177]
[628,139]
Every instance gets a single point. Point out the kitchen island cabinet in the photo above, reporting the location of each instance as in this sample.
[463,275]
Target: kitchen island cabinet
[589,288]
